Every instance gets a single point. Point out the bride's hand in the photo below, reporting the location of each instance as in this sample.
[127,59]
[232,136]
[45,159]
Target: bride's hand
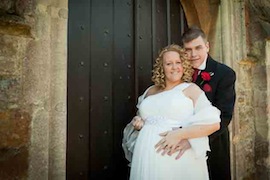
[181,148]
[169,141]
[137,122]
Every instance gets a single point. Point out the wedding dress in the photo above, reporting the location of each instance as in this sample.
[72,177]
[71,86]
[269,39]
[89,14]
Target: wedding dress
[162,112]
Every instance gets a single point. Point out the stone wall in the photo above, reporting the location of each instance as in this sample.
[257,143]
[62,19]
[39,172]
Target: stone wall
[33,63]
[15,118]
[258,25]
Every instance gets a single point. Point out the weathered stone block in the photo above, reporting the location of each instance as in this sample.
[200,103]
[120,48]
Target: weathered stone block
[15,29]
[14,129]
[14,142]
[9,92]
[16,7]
[14,163]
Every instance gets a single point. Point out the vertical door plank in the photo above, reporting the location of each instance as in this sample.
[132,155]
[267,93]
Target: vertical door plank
[78,90]
[143,44]
[123,80]
[101,127]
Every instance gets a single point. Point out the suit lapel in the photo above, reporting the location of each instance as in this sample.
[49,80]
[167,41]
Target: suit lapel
[210,67]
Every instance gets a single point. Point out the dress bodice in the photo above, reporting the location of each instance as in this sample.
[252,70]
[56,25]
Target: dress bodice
[171,104]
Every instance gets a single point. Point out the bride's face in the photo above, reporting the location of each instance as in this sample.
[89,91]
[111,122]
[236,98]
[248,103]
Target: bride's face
[173,68]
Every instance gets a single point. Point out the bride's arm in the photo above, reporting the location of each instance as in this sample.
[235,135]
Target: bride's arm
[202,124]
[171,139]
[205,127]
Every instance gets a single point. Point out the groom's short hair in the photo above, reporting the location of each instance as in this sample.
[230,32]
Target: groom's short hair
[193,33]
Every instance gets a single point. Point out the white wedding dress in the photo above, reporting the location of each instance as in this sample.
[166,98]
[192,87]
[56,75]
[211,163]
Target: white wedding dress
[162,112]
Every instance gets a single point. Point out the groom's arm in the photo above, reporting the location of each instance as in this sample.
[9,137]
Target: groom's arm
[224,100]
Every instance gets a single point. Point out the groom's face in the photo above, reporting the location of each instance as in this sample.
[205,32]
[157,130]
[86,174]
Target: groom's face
[197,50]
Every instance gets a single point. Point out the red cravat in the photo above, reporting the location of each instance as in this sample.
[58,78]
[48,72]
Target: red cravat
[195,74]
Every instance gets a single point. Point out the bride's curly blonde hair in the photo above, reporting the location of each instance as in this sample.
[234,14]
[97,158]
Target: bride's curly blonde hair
[158,76]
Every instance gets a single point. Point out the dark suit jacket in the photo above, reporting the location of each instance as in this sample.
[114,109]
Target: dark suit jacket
[222,96]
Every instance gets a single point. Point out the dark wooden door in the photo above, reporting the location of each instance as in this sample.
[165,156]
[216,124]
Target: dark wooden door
[112,45]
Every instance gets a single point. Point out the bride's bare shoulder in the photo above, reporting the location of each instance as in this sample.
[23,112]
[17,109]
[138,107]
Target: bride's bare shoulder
[194,88]
[153,90]
[193,91]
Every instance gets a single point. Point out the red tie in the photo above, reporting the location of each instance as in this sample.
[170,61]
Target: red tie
[195,74]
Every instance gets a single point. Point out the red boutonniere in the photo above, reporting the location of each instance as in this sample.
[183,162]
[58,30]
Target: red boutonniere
[206,76]
[207,88]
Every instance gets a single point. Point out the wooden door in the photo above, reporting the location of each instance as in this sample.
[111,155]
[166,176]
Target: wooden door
[112,45]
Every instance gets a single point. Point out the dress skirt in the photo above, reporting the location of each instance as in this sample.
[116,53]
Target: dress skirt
[147,164]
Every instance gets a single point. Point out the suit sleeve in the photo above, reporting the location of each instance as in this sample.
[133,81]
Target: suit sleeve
[225,100]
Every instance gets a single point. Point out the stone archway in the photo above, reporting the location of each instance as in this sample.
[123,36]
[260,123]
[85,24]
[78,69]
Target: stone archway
[194,11]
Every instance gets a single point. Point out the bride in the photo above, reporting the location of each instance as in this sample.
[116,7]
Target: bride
[172,102]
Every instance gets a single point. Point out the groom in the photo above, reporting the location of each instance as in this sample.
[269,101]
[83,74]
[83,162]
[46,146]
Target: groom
[218,82]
